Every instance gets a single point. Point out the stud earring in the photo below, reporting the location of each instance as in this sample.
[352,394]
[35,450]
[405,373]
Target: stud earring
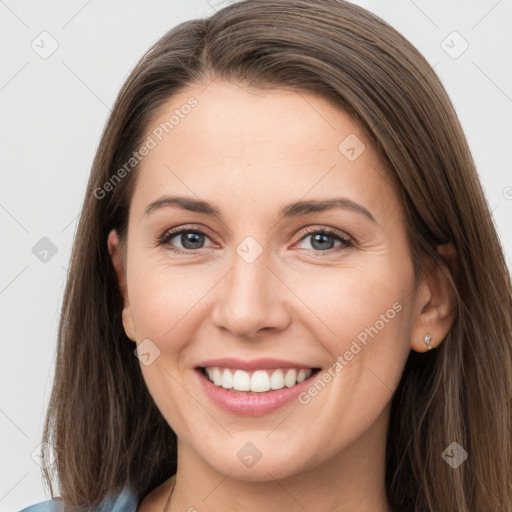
[428,339]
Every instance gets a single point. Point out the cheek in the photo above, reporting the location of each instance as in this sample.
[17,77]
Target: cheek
[347,300]
[362,320]
[163,298]
[339,302]
[361,314]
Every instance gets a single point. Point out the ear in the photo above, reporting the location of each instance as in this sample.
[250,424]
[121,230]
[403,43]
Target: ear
[435,301]
[116,256]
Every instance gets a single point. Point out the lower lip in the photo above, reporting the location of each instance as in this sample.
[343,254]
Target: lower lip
[252,404]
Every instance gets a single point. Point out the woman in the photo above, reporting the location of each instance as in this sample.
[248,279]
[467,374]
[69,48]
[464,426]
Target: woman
[285,226]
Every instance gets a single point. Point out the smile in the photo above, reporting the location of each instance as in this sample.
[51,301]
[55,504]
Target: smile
[259,381]
[219,386]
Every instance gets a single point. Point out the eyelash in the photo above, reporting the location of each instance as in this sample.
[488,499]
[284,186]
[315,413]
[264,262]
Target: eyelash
[167,237]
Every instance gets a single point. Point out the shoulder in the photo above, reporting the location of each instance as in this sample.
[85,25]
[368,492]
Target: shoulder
[124,501]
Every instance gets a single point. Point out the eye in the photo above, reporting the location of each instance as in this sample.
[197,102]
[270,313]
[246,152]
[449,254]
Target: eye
[190,238]
[322,239]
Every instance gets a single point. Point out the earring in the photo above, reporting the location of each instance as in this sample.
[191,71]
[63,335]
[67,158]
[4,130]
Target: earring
[428,339]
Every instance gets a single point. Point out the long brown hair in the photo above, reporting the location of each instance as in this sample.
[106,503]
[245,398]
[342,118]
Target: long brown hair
[102,423]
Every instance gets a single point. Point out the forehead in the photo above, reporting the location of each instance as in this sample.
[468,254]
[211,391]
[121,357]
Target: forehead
[249,144]
[295,123]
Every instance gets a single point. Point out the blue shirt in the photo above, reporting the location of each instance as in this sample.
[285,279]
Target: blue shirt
[125,501]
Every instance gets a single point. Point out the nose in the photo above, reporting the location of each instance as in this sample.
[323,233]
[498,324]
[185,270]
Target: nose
[251,297]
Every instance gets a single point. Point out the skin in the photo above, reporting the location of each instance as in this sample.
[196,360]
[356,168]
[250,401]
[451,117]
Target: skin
[250,152]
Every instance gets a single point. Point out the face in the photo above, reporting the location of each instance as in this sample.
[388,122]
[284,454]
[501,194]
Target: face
[259,276]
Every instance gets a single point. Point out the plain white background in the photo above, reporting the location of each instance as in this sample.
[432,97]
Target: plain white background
[53,110]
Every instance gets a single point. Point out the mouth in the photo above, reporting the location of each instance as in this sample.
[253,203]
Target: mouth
[256,382]
[254,393]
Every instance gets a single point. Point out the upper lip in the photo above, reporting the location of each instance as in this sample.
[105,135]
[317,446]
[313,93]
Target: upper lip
[254,364]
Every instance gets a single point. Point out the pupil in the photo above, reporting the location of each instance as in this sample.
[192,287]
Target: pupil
[320,237]
[194,239]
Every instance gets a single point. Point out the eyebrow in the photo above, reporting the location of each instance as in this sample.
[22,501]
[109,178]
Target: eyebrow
[290,210]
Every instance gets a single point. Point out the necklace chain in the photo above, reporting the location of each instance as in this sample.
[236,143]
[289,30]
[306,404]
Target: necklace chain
[169,498]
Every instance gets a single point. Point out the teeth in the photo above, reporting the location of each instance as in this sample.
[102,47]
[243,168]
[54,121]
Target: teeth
[277,380]
[227,379]
[290,378]
[260,381]
[302,375]
[241,381]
